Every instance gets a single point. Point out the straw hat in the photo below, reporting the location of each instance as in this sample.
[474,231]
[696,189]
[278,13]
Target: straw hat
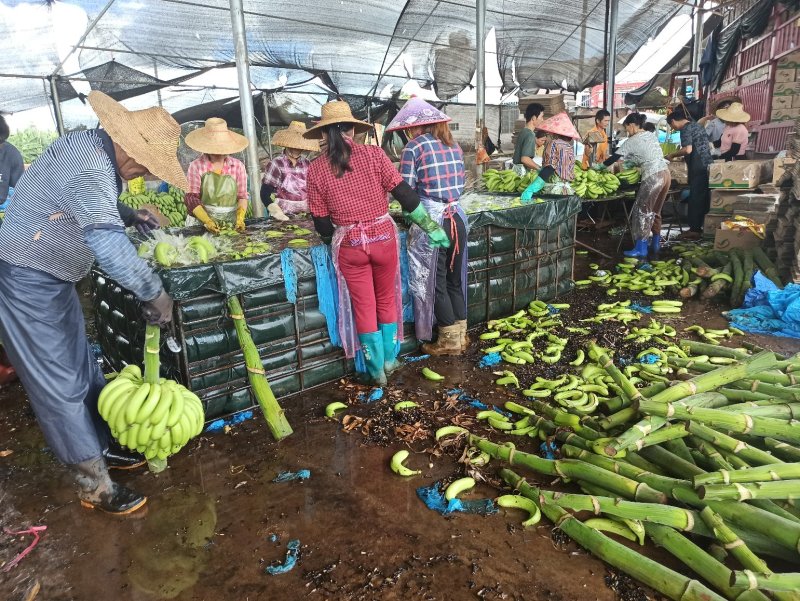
[150,136]
[416,112]
[215,138]
[734,114]
[560,125]
[337,111]
[292,137]
[726,100]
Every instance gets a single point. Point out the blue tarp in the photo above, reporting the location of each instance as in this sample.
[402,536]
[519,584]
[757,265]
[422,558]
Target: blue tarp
[769,310]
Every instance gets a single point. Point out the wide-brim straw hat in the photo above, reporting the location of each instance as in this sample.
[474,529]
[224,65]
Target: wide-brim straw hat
[560,125]
[726,100]
[334,112]
[416,113]
[149,136]
[215,138]
[734,114]
[292,137]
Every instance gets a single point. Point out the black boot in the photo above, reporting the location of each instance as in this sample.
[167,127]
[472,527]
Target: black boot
[98,491]
[118,458]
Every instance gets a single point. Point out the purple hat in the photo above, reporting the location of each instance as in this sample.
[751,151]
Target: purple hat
[417,112]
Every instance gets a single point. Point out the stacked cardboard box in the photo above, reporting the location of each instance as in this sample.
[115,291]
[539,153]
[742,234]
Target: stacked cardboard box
[786,90]
[788,263]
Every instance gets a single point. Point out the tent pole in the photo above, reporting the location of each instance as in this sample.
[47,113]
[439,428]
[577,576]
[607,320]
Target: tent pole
[697,46]
[56,106]
[246,103]
[480,76]
[613,15]
[267,125]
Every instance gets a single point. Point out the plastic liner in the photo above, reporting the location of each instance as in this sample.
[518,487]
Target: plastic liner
[434,499]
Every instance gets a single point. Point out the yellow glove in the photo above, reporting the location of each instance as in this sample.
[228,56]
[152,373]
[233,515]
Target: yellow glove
[211,225]
[240,219]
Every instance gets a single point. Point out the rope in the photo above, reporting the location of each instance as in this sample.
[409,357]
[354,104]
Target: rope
[751,579]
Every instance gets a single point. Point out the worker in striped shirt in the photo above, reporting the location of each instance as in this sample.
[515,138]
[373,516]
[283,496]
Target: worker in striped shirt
[63,217]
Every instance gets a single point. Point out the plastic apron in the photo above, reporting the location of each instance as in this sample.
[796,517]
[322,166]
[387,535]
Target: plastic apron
[219,195]
[291,197]
[422,263]
[347,324]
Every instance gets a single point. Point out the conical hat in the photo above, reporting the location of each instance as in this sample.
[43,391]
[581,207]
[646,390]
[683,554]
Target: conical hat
[560,125]
[215,138]
[734,113]
[416,112]
[292,137]
[150,136]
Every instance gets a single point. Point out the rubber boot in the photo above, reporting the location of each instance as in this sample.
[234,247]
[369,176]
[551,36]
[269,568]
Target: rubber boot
[98,491]
[389,336]
[655,244]
[639,250]
[462,330]
[448,343]
[372,347]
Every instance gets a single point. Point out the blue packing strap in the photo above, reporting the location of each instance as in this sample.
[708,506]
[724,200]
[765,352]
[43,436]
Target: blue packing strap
[292,555]
[645,267]
[327,290]
[455,391]
[641,308]
[376,394]
[553,310]
[289,275]
[289,476]
[415,359]
[548,450]
[490,360]
[434,499]
[408,301]
[650,359]
[477,404]
[219,424]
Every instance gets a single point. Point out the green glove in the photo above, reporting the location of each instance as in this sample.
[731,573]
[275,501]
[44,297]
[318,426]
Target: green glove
[435,233]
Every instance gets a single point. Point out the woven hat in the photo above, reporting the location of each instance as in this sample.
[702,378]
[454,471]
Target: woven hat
[215,138]
[726,100]
[560,125]
[734,114]
[417,112]
[150,136]
[337,111]
[292,137]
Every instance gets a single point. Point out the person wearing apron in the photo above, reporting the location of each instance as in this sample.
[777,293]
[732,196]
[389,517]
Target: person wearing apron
[559,154]
[347,196]
[285,175]
[433,165]
[217,182]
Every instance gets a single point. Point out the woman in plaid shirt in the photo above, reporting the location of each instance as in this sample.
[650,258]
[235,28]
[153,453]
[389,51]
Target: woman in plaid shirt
[347,197]
[433,164]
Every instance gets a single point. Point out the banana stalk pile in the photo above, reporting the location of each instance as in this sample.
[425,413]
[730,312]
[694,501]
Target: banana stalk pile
[719,272]
[696,448]
[149,414]
[594,184]
[507,181]
[651,279]
[170,203]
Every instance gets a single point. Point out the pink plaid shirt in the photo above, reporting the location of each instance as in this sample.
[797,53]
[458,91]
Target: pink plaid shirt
[233,167]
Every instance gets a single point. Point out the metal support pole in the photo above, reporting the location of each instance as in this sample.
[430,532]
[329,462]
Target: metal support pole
[267,125]
[697,45]
[158,90]
[246,101]
[613,18]
[85,35]
[57,106]
[480,76]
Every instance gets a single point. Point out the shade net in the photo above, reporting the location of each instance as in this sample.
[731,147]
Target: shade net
[358,48]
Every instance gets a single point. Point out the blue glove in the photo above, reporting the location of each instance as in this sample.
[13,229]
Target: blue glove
[535,186]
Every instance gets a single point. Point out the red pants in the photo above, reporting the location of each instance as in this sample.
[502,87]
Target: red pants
[371,281]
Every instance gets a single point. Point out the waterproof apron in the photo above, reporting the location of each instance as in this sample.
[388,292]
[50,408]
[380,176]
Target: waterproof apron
[292,198]
[422,262]
[347,326]
[219,195]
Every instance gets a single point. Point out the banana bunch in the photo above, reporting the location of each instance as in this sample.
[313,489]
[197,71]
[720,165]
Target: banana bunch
[169,203]
[507,180]
[594,184]
[151,415]
[630,176]
[202,248]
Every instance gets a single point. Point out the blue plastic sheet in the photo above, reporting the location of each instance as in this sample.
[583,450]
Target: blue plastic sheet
[289,274]
[434,499]
[219,424]
[641,308]
[408,300]
[292,555]
[327,290]
[490,360]
[289,476]
[376,394]
[548,450]
[769,310]
[649,358]
[415,359]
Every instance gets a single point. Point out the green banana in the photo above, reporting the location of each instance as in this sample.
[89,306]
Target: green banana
[524,503]
[457,487]
[431,375]
[397,466]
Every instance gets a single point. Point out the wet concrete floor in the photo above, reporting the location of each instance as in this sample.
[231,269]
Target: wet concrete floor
[215,520]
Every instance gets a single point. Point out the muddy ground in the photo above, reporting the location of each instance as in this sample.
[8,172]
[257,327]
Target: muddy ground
[215,520]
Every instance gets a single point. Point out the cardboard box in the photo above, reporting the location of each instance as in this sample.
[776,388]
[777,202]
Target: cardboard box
[789,61]
[782,102]
[785,75]
[795,101]
[722,201]
[741,175]
[779,167]
[712,222]
[786,114]
[679,172]
[785,89]
[765,204]
[728,239]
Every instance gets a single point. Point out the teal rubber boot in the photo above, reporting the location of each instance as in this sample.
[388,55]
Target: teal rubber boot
[372,347]
[389,336]
[639,250]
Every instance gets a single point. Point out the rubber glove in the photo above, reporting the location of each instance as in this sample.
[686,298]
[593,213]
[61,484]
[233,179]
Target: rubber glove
[534,187]
[158,311]
[276,212]
[436,234]
[327,240]
[240,219]
[211,225]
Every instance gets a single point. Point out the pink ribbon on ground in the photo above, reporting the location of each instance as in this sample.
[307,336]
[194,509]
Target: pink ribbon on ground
[35,530]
